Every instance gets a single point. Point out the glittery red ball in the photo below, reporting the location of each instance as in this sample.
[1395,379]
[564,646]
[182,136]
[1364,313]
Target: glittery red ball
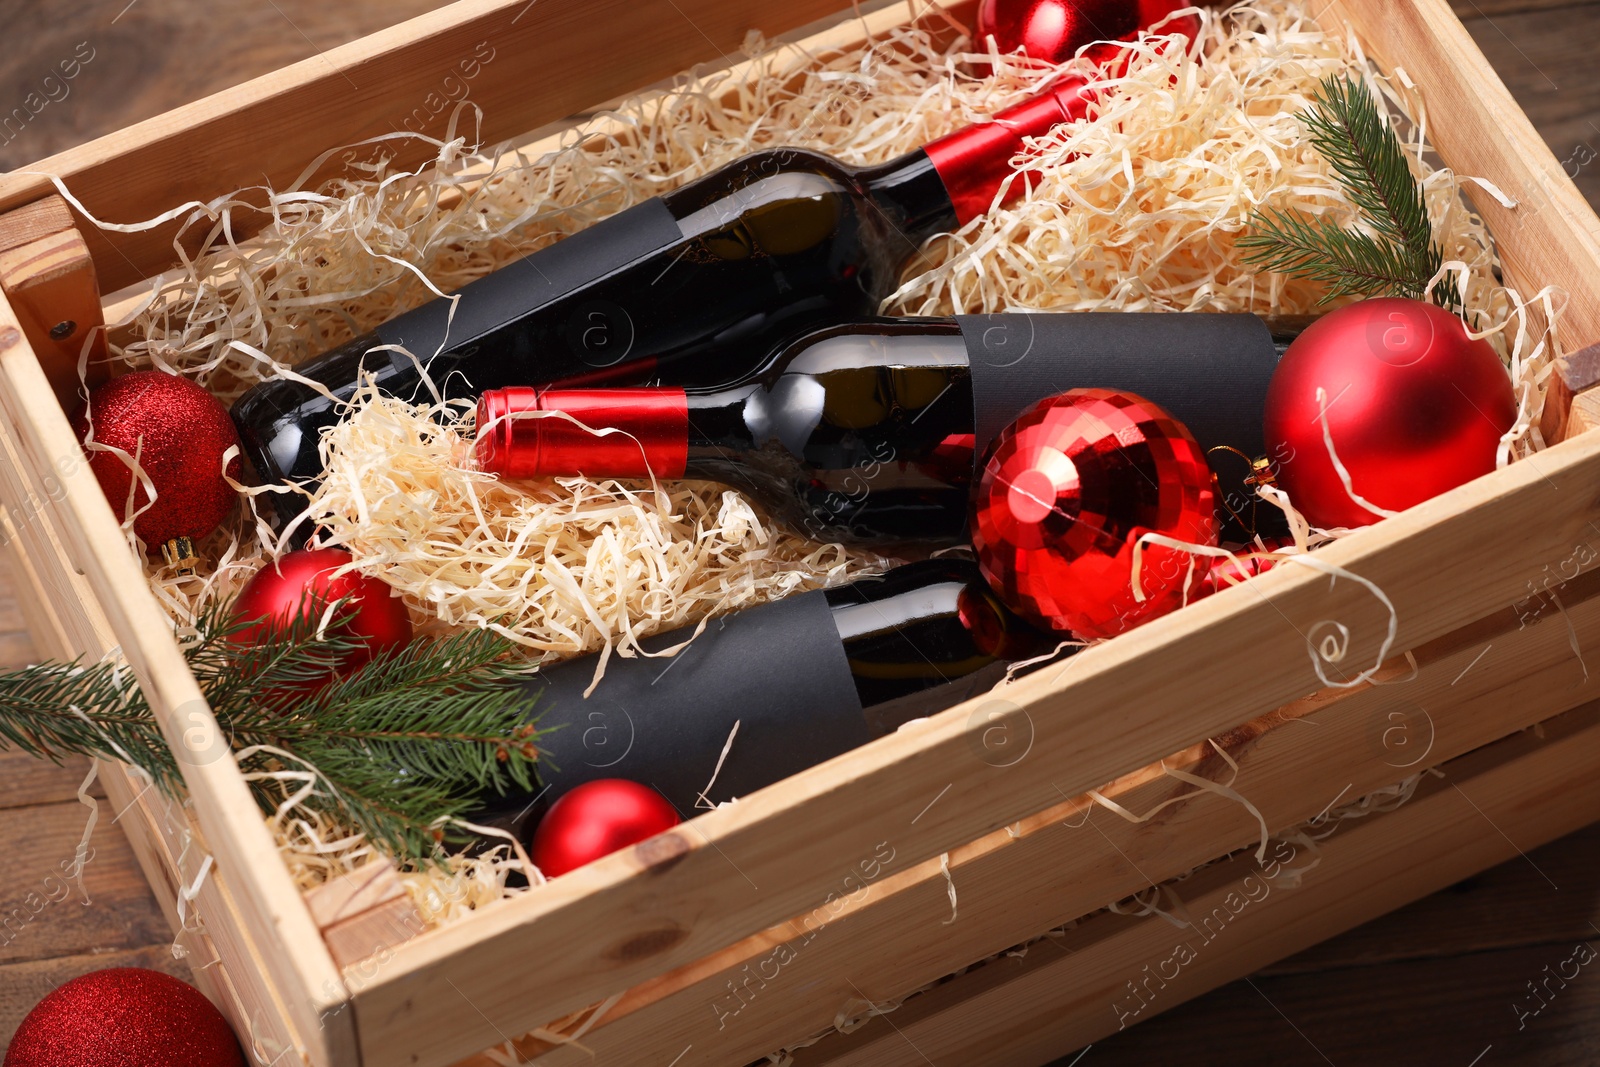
[1066,493]
[125,1017]
[304,582]
[596,819]
[1054,30]
[178,432]
[1414,407]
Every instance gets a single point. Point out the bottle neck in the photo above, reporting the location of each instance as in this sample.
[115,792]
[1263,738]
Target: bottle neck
[601,433]
[975,161]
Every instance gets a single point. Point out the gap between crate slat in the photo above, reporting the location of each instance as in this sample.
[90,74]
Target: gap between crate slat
[1312,754]
[1013,1012]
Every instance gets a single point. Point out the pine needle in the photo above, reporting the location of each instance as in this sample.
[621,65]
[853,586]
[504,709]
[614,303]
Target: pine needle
[396,748]
[1395,255]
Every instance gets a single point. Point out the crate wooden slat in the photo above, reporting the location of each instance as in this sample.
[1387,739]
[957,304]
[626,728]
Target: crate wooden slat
[664,925]
[1054,866]
[272,127]
[61,496]
[1511,797]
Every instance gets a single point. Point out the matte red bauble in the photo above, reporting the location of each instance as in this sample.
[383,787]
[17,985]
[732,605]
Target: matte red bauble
[304,582]
[1067,491]
[125,1017]
[1414,407]
[596,819]
[179,433]
[1054,30]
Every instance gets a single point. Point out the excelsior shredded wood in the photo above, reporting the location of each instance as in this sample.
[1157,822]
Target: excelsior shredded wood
[1138,207]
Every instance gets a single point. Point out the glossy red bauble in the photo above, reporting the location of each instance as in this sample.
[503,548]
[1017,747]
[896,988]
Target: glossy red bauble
[596,819]
[1066,493]
[178,433]
[1054,30]
[1414,407]
[125,1017]
[305,581]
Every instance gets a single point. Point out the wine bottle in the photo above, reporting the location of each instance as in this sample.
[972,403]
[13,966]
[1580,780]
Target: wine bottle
[689,286]
[805,678]
[870,432]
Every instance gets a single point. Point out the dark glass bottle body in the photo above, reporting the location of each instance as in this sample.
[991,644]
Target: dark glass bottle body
[861,432]
[805,678]
[693,287]
[871,431]
[687,287]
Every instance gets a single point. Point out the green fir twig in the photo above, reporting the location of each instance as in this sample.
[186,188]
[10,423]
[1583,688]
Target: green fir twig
[397,748]
[1395,254]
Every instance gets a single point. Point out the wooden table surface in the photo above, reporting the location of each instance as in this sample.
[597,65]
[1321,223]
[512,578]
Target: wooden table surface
[1437,983]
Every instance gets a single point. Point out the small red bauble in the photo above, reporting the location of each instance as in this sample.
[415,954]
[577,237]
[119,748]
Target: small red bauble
[304,581]
[1414,406]
[179,433]
[596,819]
[125,1017]
[1066,493]
[1054,30]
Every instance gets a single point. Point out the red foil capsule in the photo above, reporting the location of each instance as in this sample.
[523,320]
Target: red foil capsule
[1066,493]
[974,161]
[599,433]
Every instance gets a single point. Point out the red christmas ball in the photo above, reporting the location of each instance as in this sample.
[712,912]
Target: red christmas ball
[1054,30]
[596,819]
[1066,493]
[304,583]
[125,1017]
[1413,405]
[178,432]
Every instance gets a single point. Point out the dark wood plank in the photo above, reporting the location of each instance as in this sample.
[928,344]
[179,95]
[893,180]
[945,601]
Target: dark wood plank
[42,916]
[148,56]
[1545,59]
[1468,9]
[23,985]
[1552,897]
[1449,1012]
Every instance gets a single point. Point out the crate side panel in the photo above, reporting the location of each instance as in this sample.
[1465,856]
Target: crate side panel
[1532,789]
[1107,712]
[904,933]
[92,546]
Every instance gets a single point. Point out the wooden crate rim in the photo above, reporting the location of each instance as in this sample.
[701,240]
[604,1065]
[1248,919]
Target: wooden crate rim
[1508,153]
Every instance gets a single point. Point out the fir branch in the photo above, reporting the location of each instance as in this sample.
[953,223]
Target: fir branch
[1348,262]
[398,747]
[1398,257]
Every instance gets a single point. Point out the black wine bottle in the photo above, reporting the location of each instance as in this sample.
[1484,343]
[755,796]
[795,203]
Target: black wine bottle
[870,432]
[805,678]
[689,287]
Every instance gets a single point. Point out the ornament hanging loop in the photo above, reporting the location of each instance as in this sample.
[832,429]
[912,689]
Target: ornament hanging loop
[1261,474]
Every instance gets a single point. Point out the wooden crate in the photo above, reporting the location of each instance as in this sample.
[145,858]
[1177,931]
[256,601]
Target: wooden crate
[844,889]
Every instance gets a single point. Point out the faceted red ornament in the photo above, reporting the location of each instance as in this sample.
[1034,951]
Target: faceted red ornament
[303,582]
[178,432]
[1066,493]
[1054,30]
[1413,405]
[124,1017]
[596,819]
